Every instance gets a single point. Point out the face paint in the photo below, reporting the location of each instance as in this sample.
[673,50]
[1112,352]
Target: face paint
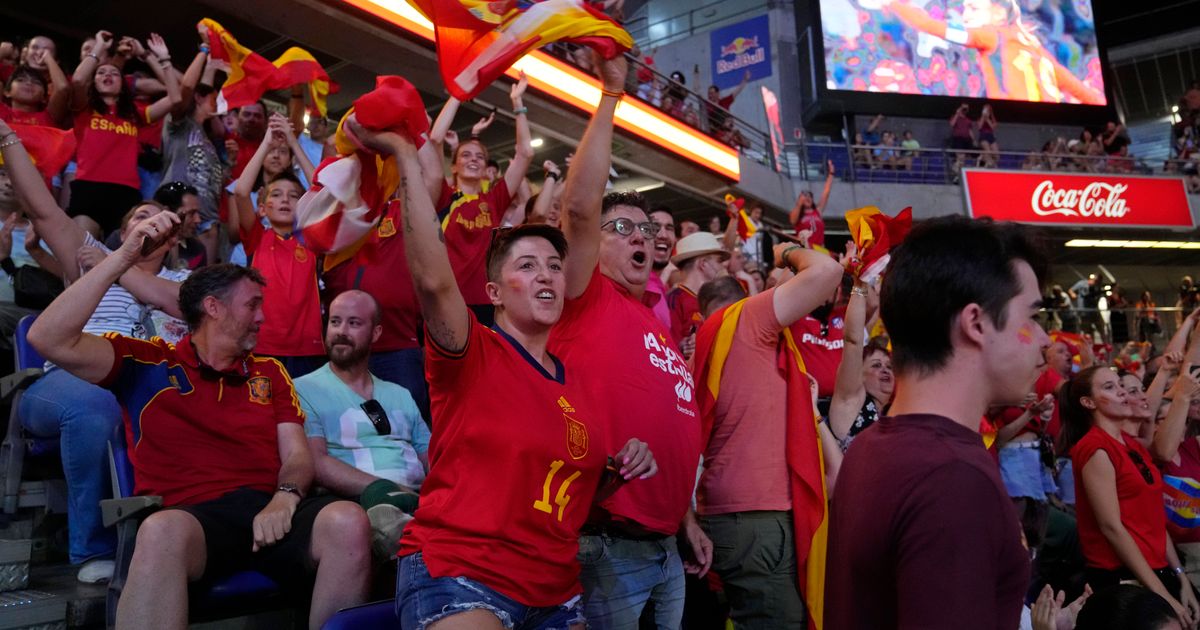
[1025,334]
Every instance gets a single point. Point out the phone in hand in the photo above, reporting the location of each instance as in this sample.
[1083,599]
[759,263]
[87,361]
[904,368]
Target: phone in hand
[151,244]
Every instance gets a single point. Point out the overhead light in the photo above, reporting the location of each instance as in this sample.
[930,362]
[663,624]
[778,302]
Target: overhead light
[570,85]
[1084,242]
[536,142]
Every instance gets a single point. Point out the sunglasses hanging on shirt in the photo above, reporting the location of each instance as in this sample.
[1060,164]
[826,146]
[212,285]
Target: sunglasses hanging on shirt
[377,416]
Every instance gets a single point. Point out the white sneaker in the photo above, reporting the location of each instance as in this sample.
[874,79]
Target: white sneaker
[96,571]
[387,523]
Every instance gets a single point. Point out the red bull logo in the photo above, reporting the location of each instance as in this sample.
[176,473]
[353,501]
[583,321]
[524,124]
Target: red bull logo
[745,52]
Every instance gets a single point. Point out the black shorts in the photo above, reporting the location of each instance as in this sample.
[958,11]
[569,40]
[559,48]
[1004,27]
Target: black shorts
[228,524]
[961,144]
[105,203]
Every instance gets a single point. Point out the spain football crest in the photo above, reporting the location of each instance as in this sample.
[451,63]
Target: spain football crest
[260,390]
[387,227]
[301,254]
[577,438]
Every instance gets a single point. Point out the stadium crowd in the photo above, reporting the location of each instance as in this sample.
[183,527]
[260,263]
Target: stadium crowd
[555,404]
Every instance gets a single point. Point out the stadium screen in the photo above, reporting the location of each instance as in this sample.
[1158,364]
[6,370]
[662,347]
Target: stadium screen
[1021,50]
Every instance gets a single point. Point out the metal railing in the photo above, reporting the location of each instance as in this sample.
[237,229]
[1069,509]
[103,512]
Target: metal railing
[664,31]
[1117,325]
[650,86]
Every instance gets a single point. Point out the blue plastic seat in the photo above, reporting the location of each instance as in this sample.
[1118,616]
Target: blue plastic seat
[18,443]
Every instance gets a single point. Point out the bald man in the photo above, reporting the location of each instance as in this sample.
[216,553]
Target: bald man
[366,434]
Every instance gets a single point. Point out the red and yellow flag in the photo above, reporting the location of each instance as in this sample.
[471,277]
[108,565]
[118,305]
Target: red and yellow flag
[478,40]
[805,462]
[745,227]
[49,149]
[251,75]
[875,234]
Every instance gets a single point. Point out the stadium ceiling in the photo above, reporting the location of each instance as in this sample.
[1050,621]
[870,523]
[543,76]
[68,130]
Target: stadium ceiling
[1125,22]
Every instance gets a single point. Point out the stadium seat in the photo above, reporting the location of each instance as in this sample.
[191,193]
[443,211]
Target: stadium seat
[381,614]
[237,594]
[18,443]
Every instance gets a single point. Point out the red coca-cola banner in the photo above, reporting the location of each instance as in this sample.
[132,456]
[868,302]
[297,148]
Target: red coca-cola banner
[1077,200]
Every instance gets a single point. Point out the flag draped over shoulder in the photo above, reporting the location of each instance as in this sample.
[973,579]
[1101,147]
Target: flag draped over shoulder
[875,234]
[49,148]
[478,40]
[251,75]
[805,462]
[350,191]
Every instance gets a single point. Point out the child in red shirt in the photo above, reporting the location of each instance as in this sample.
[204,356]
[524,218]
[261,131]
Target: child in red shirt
[291,331]
[106,184]
[28,100]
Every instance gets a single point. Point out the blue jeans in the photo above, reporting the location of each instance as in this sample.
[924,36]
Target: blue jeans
[422,600]
[83,417]
[405,368]
[621,576]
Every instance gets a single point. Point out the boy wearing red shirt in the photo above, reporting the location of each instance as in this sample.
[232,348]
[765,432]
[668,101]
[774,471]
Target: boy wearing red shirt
[291,299]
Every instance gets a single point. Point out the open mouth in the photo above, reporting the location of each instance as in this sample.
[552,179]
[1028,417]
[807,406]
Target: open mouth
[662,248]
[639,258]
[545,295]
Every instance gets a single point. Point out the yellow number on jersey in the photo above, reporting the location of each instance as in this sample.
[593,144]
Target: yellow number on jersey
[1045,72]
[561,499]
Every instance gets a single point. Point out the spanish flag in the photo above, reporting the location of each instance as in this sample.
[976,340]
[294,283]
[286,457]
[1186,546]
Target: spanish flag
[251,75]
[745,227]
[49,149]
[806,464]
[478,40]
[875,234]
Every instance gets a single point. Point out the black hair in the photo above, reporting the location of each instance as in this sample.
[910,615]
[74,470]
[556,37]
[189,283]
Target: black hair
[1076,419]
[29,73]
[125,107]
[492,163]
[624,198]
[942,266]
[287,175]
[215,280]
[723,290]
[171,194]
[875,344]
[1125,607]
[503,240]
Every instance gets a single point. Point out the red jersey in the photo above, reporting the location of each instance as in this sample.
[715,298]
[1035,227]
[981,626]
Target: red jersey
[643,388]
[1047,383]
[685,312]
[468,221]
[196,434]
[108,147]
[291,299]
[514,463]
[10,115]
[246,150]
[821,348]
[381,269]
[1141,501]
[811,220]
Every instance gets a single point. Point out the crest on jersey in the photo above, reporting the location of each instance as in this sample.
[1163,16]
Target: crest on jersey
[577,437]
[387,227]
[260,390]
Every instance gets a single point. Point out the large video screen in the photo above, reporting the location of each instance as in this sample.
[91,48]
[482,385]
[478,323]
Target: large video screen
[1021,50]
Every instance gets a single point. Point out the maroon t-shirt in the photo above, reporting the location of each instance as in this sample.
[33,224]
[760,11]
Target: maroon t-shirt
[922,533]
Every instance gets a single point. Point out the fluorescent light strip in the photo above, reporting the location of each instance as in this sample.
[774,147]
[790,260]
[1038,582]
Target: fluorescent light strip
[572,86]
[1084,242]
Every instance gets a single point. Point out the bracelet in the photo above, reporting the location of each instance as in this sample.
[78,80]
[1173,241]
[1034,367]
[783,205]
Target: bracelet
[204,48]
[93,56]
[860,291]
[614,94]
[520,110]
[786,253]
[1177,570]
[10,143]
[551,174]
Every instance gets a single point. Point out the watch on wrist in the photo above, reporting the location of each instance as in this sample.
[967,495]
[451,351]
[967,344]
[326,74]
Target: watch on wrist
[290,488]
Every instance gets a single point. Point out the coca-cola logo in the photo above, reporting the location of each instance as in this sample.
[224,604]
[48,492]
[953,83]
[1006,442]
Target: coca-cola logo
[1097,199]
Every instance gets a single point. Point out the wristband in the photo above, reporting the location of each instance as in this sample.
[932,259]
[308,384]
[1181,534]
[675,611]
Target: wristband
[551,174]
[1177,570]
[520,110]
[786,253]
[205,49]
[93,56]
[164,59]
[9,143]
[858,291]
[612,93]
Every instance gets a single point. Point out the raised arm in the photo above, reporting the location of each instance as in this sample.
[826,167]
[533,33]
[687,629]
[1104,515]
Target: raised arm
[245,182]
[284,128]
[430,153]
[545,198]
[848,390]
[446,316]
[58,332]
[187,84]
[59,104]
[159,60]
[740,86]
[1173,430]
[62,234]
[817,277]
[586,179]
[150,289]
[522,153]
[85,72]
[43,258]
[825,191]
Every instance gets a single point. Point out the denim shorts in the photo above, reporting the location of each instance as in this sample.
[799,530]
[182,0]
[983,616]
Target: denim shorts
[1023,473]
[422,599]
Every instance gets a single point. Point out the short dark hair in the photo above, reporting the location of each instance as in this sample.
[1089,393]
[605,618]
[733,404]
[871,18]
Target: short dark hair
[171,194]
[493,163]
[29,73]
[286,176]
[942,266]
[723,290]
[503,240]
[624,198]
[1127,607]
[215,280]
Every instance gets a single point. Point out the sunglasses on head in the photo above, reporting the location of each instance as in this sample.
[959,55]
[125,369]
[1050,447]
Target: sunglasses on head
[377,416]
[625,227]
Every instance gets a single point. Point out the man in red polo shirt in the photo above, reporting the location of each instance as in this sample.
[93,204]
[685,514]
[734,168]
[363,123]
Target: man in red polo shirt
[244,141]
[218,433]
[628,551]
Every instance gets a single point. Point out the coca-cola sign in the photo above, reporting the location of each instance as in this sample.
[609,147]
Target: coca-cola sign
[1083,200]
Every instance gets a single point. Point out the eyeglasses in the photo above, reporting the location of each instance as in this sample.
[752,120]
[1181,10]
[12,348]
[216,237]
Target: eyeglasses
[377,416]
[625,227]
[1141,466]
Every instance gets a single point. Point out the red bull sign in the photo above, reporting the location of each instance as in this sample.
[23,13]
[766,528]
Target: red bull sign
[740,48]
[1077,200]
